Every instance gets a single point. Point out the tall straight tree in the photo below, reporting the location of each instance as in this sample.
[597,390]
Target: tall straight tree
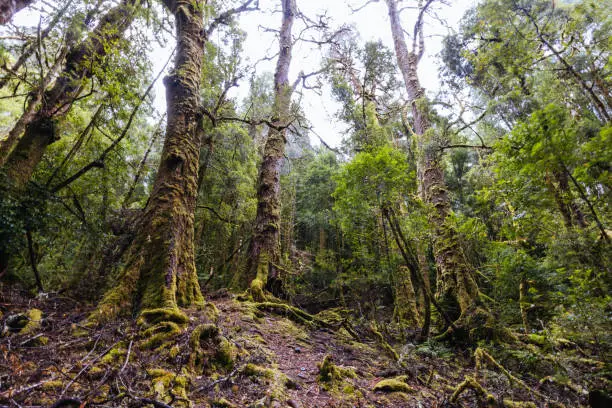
[457,290]
[38,124]
[159,273]
[264,250]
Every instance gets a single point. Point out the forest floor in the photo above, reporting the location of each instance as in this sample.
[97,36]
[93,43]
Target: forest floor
[255,358]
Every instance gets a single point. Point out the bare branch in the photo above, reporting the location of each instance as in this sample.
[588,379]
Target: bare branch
[367,3]
[418,32]
[226,16]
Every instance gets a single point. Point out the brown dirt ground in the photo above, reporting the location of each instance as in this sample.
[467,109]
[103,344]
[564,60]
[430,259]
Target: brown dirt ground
[80,371]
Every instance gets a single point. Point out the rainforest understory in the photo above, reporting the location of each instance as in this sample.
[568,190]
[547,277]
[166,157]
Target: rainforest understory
[291,203]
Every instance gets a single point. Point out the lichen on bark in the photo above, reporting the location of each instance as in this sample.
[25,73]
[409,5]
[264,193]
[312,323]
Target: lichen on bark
[264,250]
[159,273]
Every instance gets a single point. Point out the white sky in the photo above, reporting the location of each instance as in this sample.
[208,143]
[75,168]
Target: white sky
[371,23]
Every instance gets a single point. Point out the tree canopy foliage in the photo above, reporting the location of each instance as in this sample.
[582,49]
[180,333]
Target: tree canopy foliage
[475,216]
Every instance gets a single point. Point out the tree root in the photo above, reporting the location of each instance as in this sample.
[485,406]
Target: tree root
[483,394]
[292,312]
[482,357]
[476,324]
[383,343]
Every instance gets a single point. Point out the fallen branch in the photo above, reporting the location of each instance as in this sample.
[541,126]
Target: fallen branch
[155,403]
[87,366]
[11,393]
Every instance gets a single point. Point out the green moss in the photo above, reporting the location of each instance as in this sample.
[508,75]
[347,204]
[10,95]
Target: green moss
[276,381]
[53,385]
[539,340]
[174,351]
[518,404]
[158,335]
[34,317]
[256,290]
[381,340]
[253,370]
[211,311]
[225,353]
[154,316]
[223,403]
[331,376]
[203,333]
[116,354]
[209,349]
[169,386]
[397,384]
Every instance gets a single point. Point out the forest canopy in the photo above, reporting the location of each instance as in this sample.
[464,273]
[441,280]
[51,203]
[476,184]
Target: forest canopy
[270,203]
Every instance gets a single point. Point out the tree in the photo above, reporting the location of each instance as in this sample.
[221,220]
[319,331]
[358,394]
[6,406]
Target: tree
[38,122]
[8,8]
[159,274]
[263,262]
[457,290]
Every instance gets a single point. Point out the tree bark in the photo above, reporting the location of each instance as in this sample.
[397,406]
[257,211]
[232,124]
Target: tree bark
[8,8]
[159,274]
[264,250]
[39,127]
[457,290]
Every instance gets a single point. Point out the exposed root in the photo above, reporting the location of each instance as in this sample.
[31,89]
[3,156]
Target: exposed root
[209,349]
[293,313]
[476,324]
[471,384]
[482,357]
[383,343]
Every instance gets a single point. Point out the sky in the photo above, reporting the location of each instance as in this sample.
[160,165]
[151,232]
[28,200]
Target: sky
[371,23]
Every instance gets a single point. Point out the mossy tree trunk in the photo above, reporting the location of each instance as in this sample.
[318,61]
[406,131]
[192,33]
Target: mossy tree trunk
[40,131]
[264,250]
[159,272]
[457,290]
[17,163]
[8,8]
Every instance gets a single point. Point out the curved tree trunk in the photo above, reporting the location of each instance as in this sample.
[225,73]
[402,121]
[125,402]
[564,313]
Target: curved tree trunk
[19,163]
[264,250]
[160,272]
[457,290]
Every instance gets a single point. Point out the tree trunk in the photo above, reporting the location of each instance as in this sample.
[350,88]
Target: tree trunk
[20,163]
[457,290]
[264,250]
[8,8]
[159,274]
